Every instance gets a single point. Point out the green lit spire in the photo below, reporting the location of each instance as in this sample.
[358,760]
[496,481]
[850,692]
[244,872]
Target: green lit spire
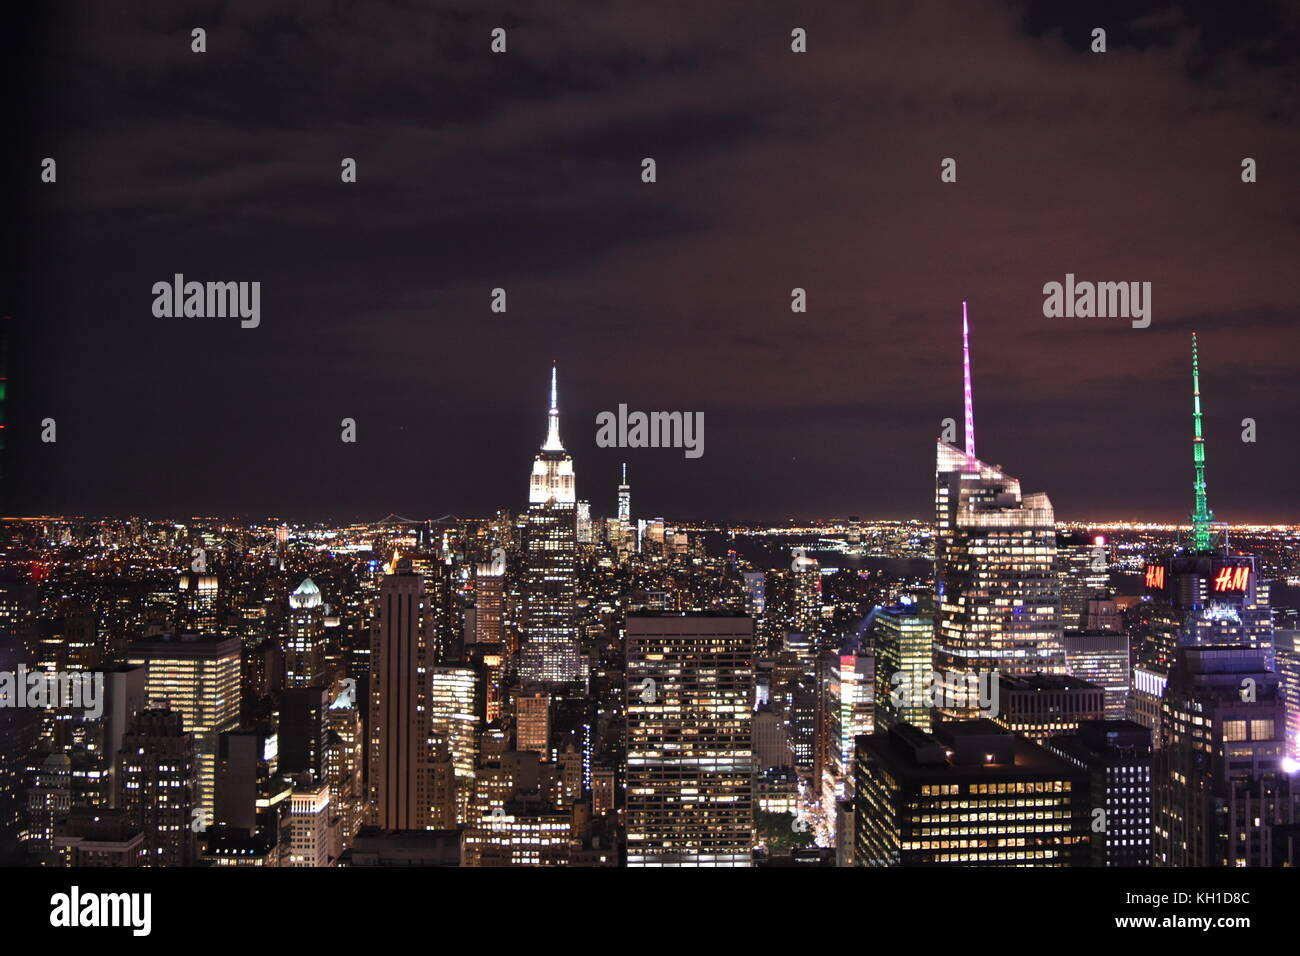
[1202,516]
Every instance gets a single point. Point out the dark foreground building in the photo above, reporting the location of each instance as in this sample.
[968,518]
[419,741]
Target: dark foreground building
[970,794]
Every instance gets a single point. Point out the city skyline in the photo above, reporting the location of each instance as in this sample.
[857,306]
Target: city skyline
[1198,521]
[439,436]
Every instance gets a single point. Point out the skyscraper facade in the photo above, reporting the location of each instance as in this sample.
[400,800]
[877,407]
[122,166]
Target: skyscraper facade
[971,794]
[996,584]
[158,785]
[304,657]
[690,758]
[455,719]
[903,636]
[551,653]
[1117,756]
[401,654]
[197,676]
[1221,781]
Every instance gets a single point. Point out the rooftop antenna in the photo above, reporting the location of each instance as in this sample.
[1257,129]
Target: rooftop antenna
[1202,516]
[965,359]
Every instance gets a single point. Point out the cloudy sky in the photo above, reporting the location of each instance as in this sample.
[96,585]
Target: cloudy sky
[775,170]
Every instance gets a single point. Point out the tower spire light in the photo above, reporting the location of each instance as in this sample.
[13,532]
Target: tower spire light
[553,442]
[965,359]
[1202,515]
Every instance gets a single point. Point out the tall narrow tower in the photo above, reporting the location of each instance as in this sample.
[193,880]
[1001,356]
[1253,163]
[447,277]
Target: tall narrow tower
[624,499]
[1202,516]
[304,658]
[965,364]
[996,589]
[551,651]
[401,653]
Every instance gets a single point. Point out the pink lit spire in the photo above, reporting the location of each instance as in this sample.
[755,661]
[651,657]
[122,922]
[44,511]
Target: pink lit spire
[965,360]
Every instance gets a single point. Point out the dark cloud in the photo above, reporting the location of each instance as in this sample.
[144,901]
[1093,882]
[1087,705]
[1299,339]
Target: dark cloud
[775,171]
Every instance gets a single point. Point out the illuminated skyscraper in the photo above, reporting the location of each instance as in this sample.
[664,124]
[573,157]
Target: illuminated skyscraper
[903,636]
[489,585]
[995,571]
[1214,593]
[401,653]
[1202,516]
[971,794]
[197,676]
[1288,669]
[158,783]
[1047,705]
[198,598]
[345,759]
[1117,756]
[304,658]
[48,802]
[1221,780]
[690,758]
[806,613]
[551,653]
[847,712]
[625,499]
[1083,566]
[1102,659]
[533,723]
[311,839]
[455,719]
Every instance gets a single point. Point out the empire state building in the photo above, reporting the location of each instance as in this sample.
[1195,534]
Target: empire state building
[551,652]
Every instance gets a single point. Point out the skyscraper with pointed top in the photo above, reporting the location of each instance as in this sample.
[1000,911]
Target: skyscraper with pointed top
[1213,589]
[624,499]
[1202,516]
[997,594]
[304,652]
[551,653]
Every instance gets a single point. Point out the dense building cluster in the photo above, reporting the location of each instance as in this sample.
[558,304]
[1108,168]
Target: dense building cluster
[556,688]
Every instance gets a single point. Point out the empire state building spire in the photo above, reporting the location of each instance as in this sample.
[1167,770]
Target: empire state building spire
[553,442]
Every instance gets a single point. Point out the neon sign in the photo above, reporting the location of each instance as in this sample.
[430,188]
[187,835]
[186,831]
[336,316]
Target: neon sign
[1155,576]
[1232,579]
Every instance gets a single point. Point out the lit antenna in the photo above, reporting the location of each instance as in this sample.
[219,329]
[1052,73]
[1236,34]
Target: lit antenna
[1202,516]
[553,442]
[970,407]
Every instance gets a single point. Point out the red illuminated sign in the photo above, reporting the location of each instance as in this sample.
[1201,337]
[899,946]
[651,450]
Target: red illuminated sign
[1155,576]
[1232,579]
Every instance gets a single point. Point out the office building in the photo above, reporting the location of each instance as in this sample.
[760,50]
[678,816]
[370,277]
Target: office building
[970,794]
[1117,757]
[690,756]
[401,654]
[996,583]
[197,677]
[159,782]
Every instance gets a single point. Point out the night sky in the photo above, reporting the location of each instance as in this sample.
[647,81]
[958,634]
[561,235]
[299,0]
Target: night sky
[775,170]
